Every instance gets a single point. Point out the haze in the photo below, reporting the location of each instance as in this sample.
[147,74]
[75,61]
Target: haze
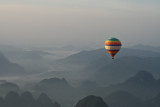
[79,22]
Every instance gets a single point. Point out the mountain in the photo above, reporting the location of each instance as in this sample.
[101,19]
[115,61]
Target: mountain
[88,85]
[7,87]
[4,48]
[142,85]
[8,68]
[27,100]
[2,81]
[88,88]
[123,99]
[86,57]
[44,101]
[155,102]
[146,47]
[91,101]
[142,78]
[58,89]
[32,60]
[126,64]
[13,99]
[122,68]
[137,52]
[2,104]
[53,83]
[14,53]
[124,53]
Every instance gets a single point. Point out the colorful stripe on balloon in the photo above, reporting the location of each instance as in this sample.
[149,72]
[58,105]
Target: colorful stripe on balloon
[109,43]
[112,47]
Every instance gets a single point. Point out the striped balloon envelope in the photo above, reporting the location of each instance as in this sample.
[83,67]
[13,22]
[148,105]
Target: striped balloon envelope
[113,45]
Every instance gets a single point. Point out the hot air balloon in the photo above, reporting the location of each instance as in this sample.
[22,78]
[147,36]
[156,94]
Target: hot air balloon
[113,45]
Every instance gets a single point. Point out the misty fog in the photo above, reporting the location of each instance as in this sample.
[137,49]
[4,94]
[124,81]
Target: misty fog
[52,53]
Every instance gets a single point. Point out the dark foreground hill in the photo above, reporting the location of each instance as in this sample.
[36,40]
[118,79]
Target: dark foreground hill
[91,101]
[155,102]
[58,89]
[126,99]
[26,99]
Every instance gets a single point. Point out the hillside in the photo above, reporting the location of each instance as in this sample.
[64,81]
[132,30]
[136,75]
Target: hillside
[143,85]
[91,101]
[146,47]
[123,99]
[8,68]
[122,68]
[13,99]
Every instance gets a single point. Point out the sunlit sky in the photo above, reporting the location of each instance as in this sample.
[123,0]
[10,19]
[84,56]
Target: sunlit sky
[79,22]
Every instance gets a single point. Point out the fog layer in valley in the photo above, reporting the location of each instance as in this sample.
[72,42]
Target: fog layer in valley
[68,75]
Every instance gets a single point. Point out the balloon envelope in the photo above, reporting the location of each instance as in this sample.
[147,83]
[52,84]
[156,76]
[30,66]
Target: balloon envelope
[113,45]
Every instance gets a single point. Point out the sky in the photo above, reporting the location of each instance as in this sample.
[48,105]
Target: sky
[79,22]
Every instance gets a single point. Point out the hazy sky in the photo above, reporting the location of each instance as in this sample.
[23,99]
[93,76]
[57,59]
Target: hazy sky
[79,22]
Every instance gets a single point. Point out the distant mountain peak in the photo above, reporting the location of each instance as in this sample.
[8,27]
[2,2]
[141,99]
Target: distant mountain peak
[142,77]
[143,73]
[55,80]
[9,84]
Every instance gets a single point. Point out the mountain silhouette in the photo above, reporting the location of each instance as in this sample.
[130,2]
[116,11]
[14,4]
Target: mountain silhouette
[98,65]
[146,47]
[53,84]
[155,102]
[44,101]
[123,99]
[58,89]
[27,100]
[13,99]
[87,57]
[7,87]
[142,78]
[142,85]
[122,68]
[91,101]
[8,68]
